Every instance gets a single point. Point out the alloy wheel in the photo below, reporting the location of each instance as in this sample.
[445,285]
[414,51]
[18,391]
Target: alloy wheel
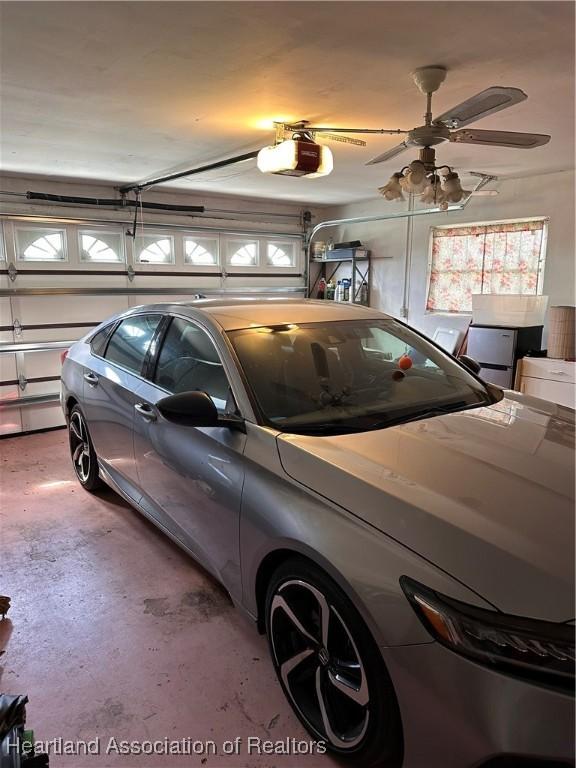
[319,664]
[79,446]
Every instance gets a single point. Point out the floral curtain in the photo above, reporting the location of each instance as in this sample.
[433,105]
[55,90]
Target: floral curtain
[491,258]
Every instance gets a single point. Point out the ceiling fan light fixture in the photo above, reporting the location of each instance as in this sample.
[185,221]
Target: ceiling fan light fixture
[296,157]
[452,187]
[414,179]
[433,192]
[392,189]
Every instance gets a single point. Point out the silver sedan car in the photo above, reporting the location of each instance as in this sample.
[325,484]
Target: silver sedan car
[402,532]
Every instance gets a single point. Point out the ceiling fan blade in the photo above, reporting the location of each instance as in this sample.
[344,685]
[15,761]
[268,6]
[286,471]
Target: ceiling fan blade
[389,154]
[485,103]
[500,138]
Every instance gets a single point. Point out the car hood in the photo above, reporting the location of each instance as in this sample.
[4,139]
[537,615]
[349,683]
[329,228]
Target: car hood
[487,495]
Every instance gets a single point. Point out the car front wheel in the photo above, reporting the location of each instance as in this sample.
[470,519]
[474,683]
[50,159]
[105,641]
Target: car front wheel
[330,667]
[84,457]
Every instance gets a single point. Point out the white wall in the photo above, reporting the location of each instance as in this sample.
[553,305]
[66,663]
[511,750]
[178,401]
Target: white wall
[549,195]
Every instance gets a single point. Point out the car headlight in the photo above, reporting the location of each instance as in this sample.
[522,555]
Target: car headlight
[539,650]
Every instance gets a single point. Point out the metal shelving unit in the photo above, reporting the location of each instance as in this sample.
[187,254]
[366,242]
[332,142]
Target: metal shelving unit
[360,267]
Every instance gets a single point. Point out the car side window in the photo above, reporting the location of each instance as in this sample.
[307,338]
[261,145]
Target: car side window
[188,360]
[130,341]
[100,339]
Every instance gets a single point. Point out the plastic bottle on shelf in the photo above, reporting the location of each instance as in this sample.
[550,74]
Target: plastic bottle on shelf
[322,288]
[339,292]
[351,293]
[346,289]
[330,290]
[364,293]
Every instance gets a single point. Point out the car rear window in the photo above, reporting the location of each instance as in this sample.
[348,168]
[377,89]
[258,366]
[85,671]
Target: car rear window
[130,341]
[99,340]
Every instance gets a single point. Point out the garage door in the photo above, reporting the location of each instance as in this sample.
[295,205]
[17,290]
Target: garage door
[61,277]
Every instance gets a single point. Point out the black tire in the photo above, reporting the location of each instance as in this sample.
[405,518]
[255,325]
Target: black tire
[84,459]
[364,730]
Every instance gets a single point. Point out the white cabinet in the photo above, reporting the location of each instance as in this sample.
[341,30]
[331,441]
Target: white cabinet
[553,380]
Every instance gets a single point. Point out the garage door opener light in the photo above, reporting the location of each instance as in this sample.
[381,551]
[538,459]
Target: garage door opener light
[298,156]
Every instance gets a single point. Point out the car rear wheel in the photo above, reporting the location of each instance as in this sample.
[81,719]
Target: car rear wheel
[330,667]
[84,457]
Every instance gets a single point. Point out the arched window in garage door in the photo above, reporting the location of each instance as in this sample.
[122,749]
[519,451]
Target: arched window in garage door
[103,247]
[243,253]
[201,251]
[40,244]
[155,249]
[280,255]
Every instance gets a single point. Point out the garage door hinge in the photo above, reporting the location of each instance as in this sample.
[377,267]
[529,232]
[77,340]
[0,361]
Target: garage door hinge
[17,327]
[131,273]
[12,272]
[22,382]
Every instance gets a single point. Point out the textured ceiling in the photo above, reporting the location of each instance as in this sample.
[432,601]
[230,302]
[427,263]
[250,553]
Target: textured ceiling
[118,91]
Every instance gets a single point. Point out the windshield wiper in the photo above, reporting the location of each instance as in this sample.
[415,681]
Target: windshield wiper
[327,428]
[381,421]
[437,410]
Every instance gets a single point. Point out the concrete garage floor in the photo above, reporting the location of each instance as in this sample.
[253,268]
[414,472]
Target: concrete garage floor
[115,632]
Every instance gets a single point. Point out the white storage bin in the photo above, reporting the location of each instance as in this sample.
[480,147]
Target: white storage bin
[512,310]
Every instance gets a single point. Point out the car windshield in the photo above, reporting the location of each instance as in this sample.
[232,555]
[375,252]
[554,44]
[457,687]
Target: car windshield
[345,376]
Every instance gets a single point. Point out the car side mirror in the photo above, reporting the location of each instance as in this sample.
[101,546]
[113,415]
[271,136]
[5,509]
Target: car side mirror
[196,409]
[470,363]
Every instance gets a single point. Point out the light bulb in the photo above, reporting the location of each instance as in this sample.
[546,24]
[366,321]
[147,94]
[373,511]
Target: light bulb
[433,192]
[452,187]
[414,179]
[392,190]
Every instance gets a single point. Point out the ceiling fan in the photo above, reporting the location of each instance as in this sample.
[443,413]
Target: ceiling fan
[450,125]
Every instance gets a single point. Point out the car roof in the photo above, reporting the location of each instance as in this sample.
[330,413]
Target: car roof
[233,314]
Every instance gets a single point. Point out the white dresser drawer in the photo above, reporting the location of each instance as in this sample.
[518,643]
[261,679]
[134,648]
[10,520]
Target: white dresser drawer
[563,393]
[546,368]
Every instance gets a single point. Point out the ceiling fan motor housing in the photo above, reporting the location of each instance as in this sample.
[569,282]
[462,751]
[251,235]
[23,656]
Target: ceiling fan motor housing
[428,135]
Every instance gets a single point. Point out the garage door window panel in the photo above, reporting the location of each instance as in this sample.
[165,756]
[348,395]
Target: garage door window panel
[155,249]
[188,361]
[131,340]
[40,244]
[242,253]
[101,246]
[201,251]
[280,254]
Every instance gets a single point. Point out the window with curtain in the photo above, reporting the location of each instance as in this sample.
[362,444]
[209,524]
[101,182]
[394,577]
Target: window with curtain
[501,257]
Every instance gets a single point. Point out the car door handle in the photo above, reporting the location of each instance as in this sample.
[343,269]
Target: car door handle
[91,378]
[146,411]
